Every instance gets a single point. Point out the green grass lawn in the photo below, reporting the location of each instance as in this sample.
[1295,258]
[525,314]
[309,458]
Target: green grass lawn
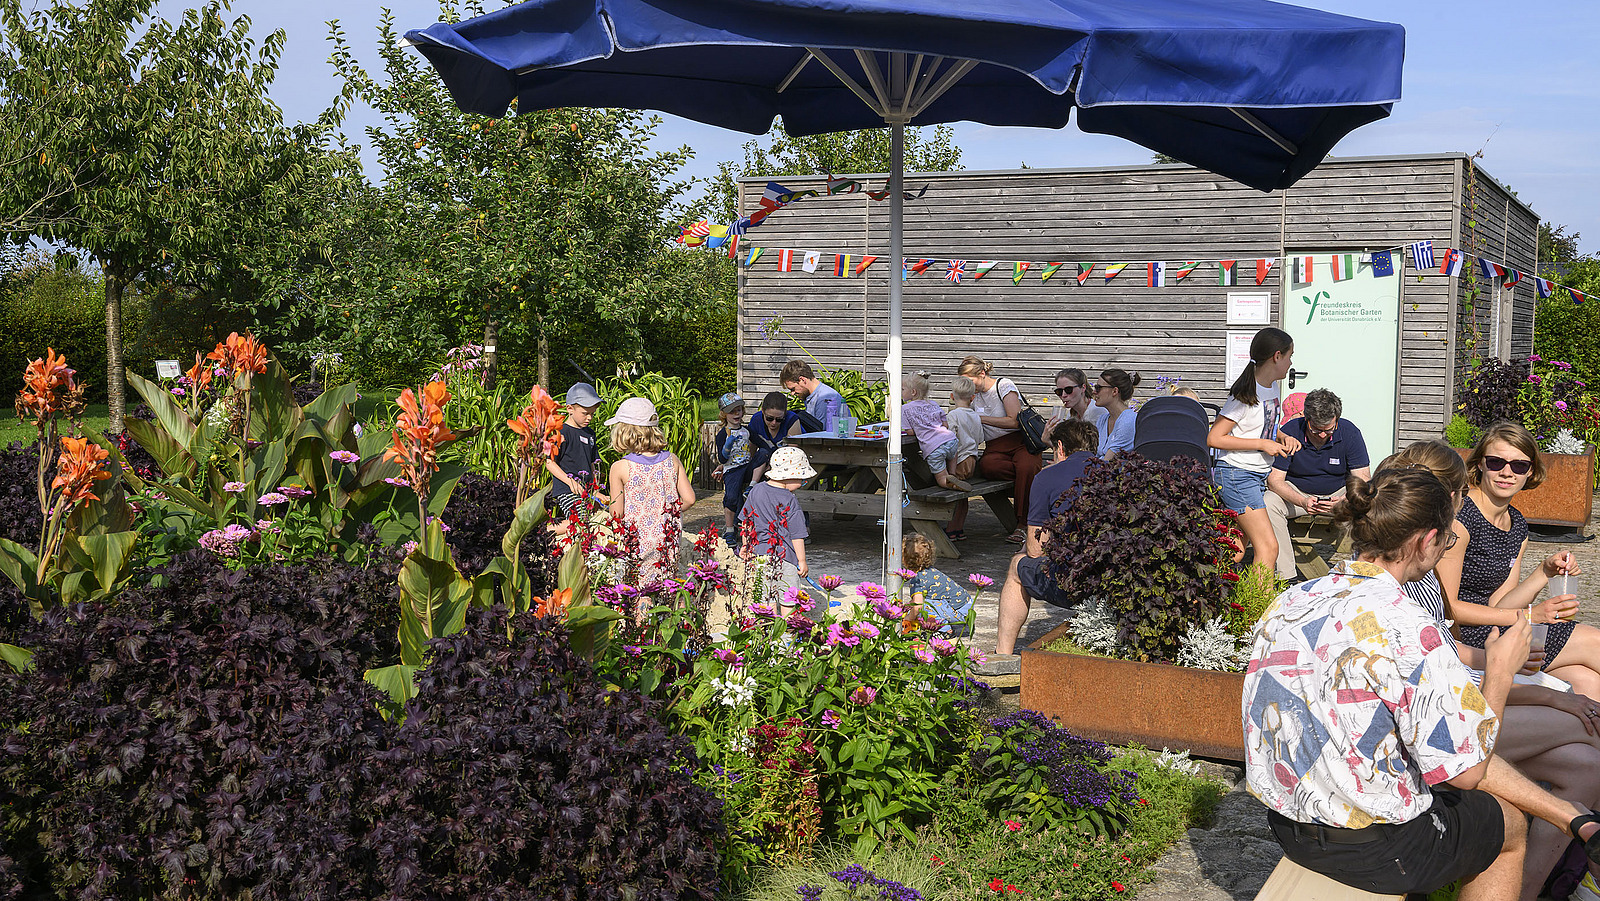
[13,429]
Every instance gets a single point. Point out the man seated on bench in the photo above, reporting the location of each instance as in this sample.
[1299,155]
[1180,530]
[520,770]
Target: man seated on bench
[1364,734]
[1311,480]
[1029,576]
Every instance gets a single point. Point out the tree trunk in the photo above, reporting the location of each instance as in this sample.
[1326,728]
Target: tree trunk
[116,380]
[491,352]
[544,361]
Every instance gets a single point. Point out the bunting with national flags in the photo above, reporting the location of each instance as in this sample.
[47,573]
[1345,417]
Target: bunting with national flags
[1302,271]
[955,270]
[1451,264]
[1513,279]
[755,254]
[1049,270]
[1422,255]
[983,268]
[1344,266]
[866,262]
[1576,295]
[841,265]
[1263,267]
[1155,275]
[1018,269]
[1491,270]
[1227,272]
[785,261]
[1182,270]
[1112,270]
[1544,287]
[812,261]
[1083,272]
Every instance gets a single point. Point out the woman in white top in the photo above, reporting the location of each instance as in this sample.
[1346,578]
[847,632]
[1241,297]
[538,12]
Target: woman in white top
[1076,399]
[1005,456]
[1246,431]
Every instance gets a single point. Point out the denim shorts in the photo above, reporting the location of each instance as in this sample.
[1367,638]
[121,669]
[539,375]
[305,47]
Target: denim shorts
[939,458]
[1241,489]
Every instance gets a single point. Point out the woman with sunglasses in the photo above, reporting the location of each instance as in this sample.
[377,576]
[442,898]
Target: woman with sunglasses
[768,430]
[1482,575]
[1075,400]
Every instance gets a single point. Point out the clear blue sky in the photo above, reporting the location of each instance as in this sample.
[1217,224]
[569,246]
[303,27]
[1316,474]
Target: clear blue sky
[1518,80]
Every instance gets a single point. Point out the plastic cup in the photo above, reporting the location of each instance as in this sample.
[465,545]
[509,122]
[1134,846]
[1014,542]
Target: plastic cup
[1540,630]
[1560,585]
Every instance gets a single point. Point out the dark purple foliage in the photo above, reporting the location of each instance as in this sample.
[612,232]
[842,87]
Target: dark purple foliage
[1490,392]
[479,512]
[1025,749]
[203,738]
[1145,536]
[518,775]
[20,519]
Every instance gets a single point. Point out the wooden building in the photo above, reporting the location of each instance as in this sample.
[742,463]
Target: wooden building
[1170,213]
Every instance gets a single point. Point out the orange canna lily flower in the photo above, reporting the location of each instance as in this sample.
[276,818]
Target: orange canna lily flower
[78,469]
[47,384]
[418,433]
[200,375]
[555,605]
[240,353]
[539,425]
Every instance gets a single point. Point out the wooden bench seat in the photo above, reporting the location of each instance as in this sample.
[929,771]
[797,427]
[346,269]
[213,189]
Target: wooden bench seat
[1305,533]
[1291,882]
[980,488]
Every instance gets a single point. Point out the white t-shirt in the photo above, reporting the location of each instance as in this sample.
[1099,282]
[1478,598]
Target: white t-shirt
[1094,414]
[992,403]
[1259,421]
[969,432]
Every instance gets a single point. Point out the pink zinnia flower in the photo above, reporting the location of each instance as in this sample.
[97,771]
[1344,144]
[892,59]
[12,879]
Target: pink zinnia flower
[1561,405]
[344,456]
[234,487]
[923,654]
[907,574]
[864,696]
[944,646]
[872,591]
[829,583]
[830,719]
[272,499]
[731,658]
[865,630]
[979,581]
[294,491]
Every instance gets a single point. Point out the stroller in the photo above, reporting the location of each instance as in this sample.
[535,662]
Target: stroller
[1170,427]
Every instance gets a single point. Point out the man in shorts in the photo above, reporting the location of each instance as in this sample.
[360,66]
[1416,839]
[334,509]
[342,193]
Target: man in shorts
[1029,576]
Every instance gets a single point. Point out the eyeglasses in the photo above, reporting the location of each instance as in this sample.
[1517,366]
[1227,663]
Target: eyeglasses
[1064,392]
[1326,433]
[1449,540]
[1495,464]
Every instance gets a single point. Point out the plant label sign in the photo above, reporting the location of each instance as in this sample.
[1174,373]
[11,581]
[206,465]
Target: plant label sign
[168,369]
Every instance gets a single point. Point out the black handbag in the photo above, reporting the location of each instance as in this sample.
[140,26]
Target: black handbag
[1032,426]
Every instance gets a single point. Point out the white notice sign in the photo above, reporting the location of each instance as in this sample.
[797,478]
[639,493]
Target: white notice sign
[1238,354]
[168,369]
[1249,308]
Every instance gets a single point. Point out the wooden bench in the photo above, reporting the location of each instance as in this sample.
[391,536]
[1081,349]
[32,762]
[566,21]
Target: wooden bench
[1291,882]
[1305,533]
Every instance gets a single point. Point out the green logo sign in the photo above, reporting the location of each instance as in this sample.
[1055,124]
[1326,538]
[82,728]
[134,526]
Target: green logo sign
[1313,301]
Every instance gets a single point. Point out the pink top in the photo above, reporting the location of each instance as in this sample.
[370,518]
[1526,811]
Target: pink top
[648,495]
[926,420]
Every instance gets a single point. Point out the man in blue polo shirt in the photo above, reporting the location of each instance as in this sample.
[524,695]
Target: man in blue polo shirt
[1312,479]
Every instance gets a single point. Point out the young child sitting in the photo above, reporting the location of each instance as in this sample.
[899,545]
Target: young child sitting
[964,422]
[926,420]
[932,592]
[649,488]
[733,451]
[577,463]
[776,525]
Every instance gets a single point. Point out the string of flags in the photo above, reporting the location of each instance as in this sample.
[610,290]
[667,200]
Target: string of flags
[715,235]
[1159,274]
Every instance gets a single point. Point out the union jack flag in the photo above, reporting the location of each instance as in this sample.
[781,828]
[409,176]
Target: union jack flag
[955,271]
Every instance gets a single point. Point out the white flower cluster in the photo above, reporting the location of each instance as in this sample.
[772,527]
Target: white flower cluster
[1213,647]
[1094,628]
[1178,762]
[1566,443]
[734,690]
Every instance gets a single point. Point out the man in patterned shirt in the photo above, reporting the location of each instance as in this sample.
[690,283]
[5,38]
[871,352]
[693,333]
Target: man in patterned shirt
[1364,734]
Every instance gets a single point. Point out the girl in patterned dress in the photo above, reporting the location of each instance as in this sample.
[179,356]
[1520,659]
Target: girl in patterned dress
[1482,575]
[649,487]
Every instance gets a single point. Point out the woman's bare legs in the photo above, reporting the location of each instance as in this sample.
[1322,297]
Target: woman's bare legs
[1257,529]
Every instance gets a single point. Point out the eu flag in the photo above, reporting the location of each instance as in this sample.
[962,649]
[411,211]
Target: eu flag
[1382,264]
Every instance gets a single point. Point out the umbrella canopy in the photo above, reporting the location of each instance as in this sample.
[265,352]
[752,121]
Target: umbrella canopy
[1252,90]
[1256,91]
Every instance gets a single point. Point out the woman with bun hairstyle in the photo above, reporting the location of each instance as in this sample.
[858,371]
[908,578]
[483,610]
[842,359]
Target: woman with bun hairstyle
[1112,391]
[1482,575]
[1246,431]
[1549,735]
[1005,455]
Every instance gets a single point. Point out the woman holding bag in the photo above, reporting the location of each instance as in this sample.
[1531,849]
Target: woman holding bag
[1005,452]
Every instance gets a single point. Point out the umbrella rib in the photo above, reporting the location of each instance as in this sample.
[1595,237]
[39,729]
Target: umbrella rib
[794,73]
[911,80]
[914,95]
[1262,127]
[846,80]
[869,68]
[951,76]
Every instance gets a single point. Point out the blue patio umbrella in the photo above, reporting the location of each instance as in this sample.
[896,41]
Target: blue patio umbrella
[1252,90]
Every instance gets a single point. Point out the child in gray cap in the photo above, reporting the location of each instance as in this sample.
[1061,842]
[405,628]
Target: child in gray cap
[575,469]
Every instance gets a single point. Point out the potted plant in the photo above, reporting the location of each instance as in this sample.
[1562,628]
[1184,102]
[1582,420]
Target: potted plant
[1560,410]
[1153,655]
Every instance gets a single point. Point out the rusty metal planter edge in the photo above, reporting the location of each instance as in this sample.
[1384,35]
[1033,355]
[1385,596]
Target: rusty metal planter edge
[1150,704]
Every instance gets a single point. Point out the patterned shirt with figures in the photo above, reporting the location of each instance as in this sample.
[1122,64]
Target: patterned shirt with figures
[1258,420]
[1354,703]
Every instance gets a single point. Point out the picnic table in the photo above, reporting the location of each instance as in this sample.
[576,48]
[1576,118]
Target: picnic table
[859,466]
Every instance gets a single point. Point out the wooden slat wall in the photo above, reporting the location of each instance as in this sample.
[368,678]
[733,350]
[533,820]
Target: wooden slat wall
[1030,330]
[1510,242]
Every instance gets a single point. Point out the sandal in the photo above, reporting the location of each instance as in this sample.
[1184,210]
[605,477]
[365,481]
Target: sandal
[1591,847]
[956,534]
[1017,537]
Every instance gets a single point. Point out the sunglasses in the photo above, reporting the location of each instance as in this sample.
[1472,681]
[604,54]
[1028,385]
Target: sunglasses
[1495,464]
[1063,392]
[778,418]
[1100,388]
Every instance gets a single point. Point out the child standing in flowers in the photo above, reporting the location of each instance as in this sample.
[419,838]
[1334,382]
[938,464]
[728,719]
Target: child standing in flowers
[733,452]
[577,463]
[649,487]
[774,526]
[931,591]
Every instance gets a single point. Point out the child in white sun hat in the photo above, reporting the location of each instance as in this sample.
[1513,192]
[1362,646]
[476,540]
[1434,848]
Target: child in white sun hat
[649,487]
[774,524]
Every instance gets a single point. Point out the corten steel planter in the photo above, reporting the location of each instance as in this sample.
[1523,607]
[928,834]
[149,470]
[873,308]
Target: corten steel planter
[1565,498]
[1151,704]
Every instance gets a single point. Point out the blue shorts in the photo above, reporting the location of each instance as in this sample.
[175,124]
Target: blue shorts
[938,459]
[1034,573]
[1241,489]
[735,483]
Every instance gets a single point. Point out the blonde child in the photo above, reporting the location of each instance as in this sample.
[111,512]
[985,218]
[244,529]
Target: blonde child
[933,592]
[577,464]
[964,422]
[774,522]
[1190,393]
[644,485]
[735,462]
[926,420]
